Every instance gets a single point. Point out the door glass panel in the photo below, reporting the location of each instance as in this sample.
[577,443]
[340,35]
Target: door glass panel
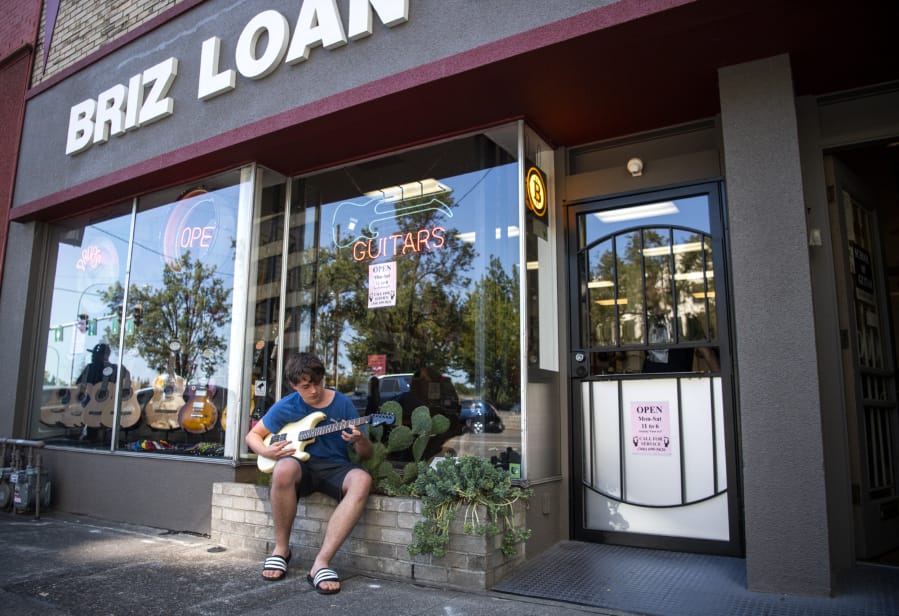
[649,288]
[602,327]
[630,287]
[691,283]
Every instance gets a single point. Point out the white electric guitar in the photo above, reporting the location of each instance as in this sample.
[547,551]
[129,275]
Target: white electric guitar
[304,431]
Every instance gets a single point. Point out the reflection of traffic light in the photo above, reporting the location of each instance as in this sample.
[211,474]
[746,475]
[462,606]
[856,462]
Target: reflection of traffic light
[92,327]
[138,314]
[82,322]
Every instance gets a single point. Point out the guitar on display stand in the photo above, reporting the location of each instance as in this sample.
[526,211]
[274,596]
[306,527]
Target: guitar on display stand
[199,414]
[54,408]
[303,432]
[73,417]
[129,409]
[162,409]
[100,399]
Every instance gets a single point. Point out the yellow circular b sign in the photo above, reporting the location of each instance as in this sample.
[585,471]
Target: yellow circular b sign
[536,191]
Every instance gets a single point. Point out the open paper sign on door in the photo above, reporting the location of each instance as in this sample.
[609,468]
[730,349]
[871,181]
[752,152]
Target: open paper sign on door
[650,428]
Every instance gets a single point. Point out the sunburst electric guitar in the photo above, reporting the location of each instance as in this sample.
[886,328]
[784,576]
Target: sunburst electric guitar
[303,432]
[199,414]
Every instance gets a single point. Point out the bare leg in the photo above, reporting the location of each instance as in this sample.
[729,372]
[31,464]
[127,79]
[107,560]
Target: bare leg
[356,486]
[283,495]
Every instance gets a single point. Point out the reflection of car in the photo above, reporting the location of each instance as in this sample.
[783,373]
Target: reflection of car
[480,416]
[389,387]
[412,390]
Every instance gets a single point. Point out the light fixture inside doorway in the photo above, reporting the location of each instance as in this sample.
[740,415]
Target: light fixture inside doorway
[635,167]
[649,210]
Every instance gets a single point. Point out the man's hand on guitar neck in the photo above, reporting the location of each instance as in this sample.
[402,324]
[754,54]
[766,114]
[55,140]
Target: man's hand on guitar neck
[360,442]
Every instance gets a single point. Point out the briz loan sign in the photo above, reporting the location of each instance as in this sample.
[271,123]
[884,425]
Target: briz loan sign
[265,43]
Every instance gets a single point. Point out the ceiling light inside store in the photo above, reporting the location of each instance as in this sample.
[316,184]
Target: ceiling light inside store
[657,251]
[638,211]
[468,238]
[598,284]
[703,295]
[412,190]
[611,302]
[532,265]
[693,276]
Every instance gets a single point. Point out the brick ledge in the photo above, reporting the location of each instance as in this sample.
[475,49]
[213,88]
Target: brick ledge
[241,520]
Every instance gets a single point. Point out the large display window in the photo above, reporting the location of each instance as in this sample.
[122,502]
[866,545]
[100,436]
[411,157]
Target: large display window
[404,274]
[170,317]
[139,337]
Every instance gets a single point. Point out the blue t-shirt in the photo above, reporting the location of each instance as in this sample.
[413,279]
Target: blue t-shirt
[292,408]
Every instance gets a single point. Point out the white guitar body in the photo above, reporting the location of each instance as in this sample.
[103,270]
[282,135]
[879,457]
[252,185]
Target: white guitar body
[303,432]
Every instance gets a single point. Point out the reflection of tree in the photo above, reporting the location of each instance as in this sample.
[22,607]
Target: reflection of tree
[489,349]
[424,326]
[190,307]
[650,278]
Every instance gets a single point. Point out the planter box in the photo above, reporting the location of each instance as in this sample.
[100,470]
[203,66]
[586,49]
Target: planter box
[241,520]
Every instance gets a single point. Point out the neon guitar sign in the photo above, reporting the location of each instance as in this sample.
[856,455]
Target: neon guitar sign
[363,218]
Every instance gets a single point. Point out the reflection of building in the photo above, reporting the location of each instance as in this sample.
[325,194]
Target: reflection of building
[778,140]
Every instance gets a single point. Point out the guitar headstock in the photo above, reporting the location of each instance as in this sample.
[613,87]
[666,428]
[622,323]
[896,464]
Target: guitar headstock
[381,418]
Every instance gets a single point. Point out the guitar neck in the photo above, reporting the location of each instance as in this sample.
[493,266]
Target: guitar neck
[305,435]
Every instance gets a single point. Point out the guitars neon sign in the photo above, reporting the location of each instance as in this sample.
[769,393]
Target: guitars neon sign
[421,240]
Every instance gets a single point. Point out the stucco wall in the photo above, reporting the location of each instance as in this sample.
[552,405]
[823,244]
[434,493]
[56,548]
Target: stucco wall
[780,408]
[435,30]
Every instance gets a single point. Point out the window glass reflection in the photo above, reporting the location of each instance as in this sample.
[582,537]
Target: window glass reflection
[179,302]
[82,372]
[650,296]
[162,390]
[416,288]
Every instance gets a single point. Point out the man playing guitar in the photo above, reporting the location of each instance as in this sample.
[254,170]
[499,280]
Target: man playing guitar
[327,469]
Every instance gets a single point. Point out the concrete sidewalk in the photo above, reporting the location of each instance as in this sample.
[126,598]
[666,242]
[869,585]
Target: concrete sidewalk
[63,564]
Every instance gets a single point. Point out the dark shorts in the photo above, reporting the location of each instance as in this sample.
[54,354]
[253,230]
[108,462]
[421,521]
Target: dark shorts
[323,476]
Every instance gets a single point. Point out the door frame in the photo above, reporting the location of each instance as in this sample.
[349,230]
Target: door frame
[734,546]
[875,508]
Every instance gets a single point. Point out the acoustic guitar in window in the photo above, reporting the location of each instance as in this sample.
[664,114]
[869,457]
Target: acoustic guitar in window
[161,411]
[129,410]
[75,402]
[53,409]
[101,399]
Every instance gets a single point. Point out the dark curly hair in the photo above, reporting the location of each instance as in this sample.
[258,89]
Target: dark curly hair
[299,364]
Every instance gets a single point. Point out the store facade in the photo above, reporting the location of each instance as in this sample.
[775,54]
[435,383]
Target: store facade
[648,279]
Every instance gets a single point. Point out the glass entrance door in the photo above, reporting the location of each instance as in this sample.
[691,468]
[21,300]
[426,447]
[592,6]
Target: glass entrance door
[653,441]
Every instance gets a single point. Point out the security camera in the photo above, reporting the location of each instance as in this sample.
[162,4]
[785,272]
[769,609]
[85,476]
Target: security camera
[635,167]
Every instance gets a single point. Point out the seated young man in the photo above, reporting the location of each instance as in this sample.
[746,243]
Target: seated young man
[328,469]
